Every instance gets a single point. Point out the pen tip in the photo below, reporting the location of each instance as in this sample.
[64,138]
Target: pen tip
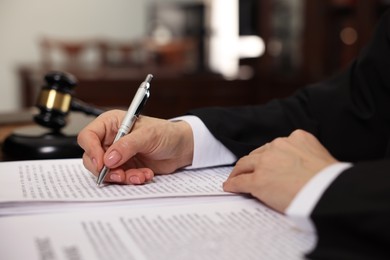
[99,182]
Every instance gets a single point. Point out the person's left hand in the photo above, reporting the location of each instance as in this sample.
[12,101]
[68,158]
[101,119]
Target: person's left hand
[275,172]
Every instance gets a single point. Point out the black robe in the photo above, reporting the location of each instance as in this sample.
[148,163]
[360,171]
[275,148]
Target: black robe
[350,115]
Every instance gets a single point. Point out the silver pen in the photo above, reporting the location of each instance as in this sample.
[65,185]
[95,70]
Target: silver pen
[132,114]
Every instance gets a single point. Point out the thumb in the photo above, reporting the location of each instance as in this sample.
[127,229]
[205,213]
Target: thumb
[124,149]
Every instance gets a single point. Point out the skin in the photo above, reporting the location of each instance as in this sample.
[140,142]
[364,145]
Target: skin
[277,171]
[154,146]
[274,173]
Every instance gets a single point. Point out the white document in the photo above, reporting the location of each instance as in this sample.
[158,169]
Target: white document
[239,229]
[30,186]
[52,209]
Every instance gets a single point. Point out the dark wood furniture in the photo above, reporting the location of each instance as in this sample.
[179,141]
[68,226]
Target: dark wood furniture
[175,90]
[172,93]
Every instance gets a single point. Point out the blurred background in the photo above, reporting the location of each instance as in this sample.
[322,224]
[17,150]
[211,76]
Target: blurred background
[201,52]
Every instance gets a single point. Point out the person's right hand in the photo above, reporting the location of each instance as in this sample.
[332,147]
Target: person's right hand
[154,146]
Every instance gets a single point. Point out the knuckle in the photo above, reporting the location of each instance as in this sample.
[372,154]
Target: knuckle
[299,133]
[84,140]
[278,142]
[80,138]
[242,160]
[264,158]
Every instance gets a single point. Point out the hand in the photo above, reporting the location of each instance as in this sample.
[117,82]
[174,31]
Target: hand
[275,172]
[153,146]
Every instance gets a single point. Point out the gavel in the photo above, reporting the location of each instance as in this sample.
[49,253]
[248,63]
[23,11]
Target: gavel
[56,100]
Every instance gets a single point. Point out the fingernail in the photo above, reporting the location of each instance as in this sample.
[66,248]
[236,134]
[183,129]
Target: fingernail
[135,180]
[148,175]
[112,158]
[115,177]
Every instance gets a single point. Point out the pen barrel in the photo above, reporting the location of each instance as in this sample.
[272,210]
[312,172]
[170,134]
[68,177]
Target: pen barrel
[119,135]
[125,127]
[102,175]
[142,92]
[131,116]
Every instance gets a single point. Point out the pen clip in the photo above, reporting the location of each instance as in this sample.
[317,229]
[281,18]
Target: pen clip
[144,85]
[142,103]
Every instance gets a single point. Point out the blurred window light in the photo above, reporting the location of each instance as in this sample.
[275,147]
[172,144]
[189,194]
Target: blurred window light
[250,46]
[227,47]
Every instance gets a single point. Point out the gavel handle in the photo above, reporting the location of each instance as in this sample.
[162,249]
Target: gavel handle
[78,105]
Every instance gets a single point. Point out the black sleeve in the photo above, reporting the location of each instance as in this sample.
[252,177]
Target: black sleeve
[352,218]
[349,113]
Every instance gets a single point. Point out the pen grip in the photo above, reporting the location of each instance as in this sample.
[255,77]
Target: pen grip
[125,127]
[119,135]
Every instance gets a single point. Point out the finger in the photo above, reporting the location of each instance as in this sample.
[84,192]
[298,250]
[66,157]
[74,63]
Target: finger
[310,146]
[138,176]
[93,138]
[115,176]
[94,132]
[244,165]
[90,142]
[99,134]
[301,135]
[240,184]
[305,143]
[90,164]
[303,138]
[131,176]
[127,147]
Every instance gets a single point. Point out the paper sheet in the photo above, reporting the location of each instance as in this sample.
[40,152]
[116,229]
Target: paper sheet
[30,186]
[237,229]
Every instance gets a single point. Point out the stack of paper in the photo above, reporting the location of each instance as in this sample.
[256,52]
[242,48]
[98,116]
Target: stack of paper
[52,209]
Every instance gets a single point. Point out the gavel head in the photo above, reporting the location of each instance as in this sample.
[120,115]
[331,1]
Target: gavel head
[54,100]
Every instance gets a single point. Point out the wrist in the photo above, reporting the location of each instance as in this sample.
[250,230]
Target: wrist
[185,145]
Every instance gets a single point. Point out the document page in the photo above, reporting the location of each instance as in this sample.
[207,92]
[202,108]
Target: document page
[67,180]
[240,229]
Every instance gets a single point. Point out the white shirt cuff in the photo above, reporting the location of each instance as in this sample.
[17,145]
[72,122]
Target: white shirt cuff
[307,198]
[208,151]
